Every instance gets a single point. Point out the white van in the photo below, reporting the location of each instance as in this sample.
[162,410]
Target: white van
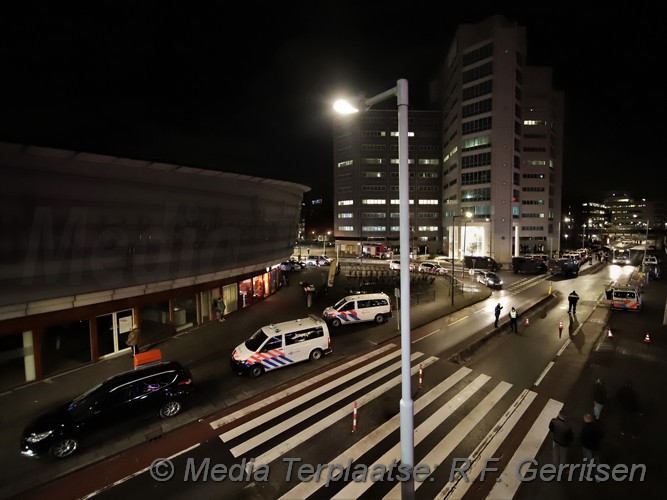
[359,308]
[625,298]
[275,346]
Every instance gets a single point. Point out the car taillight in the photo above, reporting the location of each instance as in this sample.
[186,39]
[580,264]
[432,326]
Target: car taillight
[187,381]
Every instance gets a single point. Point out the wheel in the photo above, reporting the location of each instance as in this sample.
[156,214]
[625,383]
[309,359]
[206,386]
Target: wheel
[316,354]
[379,319]
[335,322]
[170,409]
[256,370]
[64,447]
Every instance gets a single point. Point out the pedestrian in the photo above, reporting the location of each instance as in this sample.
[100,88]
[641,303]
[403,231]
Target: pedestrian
[562,436]
[630,414]
[220,308]
[497,313]
[134,339]
[591,439]
[599,398]
[572,300]
[514,315]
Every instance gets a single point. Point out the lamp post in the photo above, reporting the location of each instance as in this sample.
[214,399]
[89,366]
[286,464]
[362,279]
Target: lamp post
[406,404]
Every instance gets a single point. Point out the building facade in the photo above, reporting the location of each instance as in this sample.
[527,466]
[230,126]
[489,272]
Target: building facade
[485,164]
[94,246]
[366,201]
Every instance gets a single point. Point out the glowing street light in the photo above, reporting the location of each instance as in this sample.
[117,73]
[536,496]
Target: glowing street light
[406,404]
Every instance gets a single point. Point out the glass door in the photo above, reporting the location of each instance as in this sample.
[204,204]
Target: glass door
[112,332]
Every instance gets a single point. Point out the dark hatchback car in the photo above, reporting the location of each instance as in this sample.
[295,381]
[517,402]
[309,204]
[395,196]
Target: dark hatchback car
[156,389]
[490,279]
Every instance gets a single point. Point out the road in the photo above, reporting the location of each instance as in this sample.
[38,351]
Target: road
[311,419]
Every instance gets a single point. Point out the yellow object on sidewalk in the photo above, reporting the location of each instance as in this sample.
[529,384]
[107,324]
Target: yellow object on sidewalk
[551,284]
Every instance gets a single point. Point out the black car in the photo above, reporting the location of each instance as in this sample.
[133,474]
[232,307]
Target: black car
[156,389]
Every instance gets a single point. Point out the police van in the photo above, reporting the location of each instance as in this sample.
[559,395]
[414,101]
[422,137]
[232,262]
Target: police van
[359,308]
[624,298]
[281,344]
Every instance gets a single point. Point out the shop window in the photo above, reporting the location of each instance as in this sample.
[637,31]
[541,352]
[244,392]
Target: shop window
[17,360]
[65,347]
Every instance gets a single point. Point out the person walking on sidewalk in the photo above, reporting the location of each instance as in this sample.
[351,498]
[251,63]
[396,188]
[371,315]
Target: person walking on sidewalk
[591,439]
[220,308]
[599,398]
[629,404]
[497,313]
[514,315]
[572,300]
[562,436]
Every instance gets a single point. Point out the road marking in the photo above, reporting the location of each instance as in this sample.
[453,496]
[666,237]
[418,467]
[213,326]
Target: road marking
[134,474]
[460,319]
[446,446]
[567,343]
[306,384]
[509,480]
[546,370]
[457,489]
[298,418]
[323,424]
[356,488]
[426,336]
[306,489]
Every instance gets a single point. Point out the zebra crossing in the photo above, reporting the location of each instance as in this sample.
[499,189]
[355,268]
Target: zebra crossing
[525,283]
[311,421]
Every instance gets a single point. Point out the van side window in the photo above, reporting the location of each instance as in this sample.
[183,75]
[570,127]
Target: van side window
[272,343]
[363,304]
[378,302]
[348,307]
[304,335]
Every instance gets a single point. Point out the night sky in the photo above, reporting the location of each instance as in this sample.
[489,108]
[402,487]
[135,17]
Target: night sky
[249,88]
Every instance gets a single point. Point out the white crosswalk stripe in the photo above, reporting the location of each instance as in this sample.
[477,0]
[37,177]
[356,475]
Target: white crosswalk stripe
[447,419]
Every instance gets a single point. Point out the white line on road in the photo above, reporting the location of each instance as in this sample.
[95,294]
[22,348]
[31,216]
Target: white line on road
[306,489]
[426,336]
[567,343]
[510,480]
[546,370]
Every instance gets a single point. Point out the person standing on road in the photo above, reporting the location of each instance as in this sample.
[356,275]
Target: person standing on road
[497,313]
[599,398]
[572,300]
[134,339]
[562,436]
[591,439]
[514,315]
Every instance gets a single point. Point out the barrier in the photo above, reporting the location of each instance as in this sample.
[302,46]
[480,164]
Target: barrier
[354,417]
[152,356]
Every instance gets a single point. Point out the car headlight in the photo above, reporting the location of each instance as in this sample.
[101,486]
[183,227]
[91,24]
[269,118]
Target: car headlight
[37,437]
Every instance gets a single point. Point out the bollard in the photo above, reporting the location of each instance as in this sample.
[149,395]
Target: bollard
[310,299]
[354,417]
[560,326]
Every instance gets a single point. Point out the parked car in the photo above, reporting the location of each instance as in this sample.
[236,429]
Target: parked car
[290,265]
[395,265]
[158,389]
[481,262]
[431,268]
[489,278]
[317,260]
[650,259]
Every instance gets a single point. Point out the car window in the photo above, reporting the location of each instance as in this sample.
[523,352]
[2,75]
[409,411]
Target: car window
[363,304]
[257,339]
[273,343]
[347,307]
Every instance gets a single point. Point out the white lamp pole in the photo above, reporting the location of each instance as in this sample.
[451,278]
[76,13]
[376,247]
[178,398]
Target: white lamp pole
[406,404]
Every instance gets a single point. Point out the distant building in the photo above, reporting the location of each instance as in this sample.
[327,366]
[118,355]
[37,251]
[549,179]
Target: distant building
[493,148]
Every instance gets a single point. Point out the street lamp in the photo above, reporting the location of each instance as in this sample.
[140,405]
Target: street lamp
[406,404]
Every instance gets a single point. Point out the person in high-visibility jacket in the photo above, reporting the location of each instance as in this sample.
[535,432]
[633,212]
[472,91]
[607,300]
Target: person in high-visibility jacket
[513,318]
[572,300]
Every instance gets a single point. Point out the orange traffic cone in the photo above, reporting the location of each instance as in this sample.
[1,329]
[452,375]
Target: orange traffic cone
[527,322]
[609,335]
[647,339]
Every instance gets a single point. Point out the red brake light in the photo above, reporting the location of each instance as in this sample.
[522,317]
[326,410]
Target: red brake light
[187,381]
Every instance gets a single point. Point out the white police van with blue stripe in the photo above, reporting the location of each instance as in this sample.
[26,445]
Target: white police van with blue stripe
[281,344]
[359,308]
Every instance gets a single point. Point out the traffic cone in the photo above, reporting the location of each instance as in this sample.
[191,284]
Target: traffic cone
[560,325]
[609,335]
[527,322]
[647,339]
